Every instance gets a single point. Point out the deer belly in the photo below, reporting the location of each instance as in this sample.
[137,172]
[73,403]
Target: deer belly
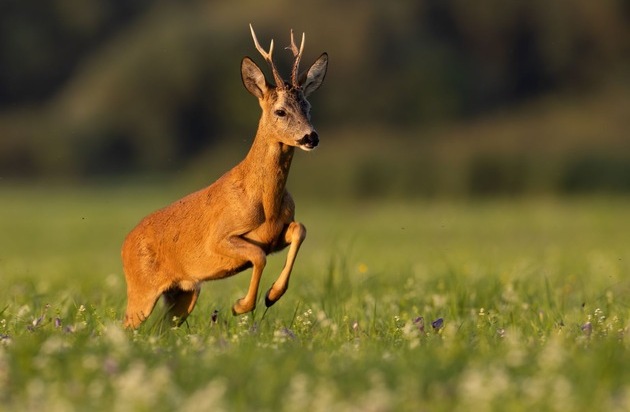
[220,268]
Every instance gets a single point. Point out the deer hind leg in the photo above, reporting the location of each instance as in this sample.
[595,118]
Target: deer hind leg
[180,303]
[294,236]
[140,267]
[140,304]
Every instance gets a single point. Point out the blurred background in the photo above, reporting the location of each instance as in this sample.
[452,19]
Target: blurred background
[423,98]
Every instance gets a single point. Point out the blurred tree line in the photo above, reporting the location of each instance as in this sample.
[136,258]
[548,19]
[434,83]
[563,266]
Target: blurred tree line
[475,97]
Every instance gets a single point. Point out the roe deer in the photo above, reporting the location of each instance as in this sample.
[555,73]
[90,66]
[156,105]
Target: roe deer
[235,222]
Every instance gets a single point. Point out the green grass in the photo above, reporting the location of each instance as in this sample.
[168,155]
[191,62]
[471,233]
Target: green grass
[534,296]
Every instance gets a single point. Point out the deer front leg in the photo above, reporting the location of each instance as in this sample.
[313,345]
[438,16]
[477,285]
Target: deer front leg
[248,303]
[294,236]
[242,250]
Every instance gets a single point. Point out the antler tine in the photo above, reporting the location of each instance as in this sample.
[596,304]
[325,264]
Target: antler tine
[268,57]
[298,55]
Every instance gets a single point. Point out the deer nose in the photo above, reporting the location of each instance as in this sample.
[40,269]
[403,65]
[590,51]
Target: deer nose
[309,141]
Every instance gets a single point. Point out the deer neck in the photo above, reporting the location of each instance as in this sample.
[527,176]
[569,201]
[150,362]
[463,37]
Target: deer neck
[267,169]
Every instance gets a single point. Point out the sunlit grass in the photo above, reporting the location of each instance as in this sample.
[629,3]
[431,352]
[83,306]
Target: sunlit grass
[447,306]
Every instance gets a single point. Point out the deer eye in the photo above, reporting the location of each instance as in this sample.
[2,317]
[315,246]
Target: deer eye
[280,113]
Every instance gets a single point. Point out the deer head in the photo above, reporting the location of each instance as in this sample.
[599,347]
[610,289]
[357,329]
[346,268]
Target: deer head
[285,110]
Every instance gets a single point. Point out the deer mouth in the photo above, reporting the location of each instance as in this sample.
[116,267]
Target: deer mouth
[309,141]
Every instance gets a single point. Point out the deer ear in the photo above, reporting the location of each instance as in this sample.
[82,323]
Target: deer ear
[311,79]
[253,78]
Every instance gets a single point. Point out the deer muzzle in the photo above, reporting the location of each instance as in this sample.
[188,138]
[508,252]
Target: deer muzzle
[309,141]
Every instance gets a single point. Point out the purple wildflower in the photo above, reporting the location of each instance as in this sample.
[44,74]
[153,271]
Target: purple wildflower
[437,324]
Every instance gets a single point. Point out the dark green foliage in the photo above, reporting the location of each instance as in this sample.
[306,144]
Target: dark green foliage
[93,88]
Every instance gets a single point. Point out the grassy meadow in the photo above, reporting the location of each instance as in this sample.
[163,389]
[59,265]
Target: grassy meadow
[442,305]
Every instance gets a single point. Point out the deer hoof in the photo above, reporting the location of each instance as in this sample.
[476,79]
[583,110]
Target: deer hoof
[239,308]
[268,301]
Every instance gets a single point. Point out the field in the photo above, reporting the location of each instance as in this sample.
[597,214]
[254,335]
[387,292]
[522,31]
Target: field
[445,305]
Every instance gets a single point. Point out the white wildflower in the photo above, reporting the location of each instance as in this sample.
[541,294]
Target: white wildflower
[208,398]
[23,311]
[115,336]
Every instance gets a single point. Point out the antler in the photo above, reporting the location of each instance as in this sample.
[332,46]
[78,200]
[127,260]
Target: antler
[268,58]
[298,55]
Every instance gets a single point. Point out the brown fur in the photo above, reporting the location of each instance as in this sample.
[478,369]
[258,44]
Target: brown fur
[235,222]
